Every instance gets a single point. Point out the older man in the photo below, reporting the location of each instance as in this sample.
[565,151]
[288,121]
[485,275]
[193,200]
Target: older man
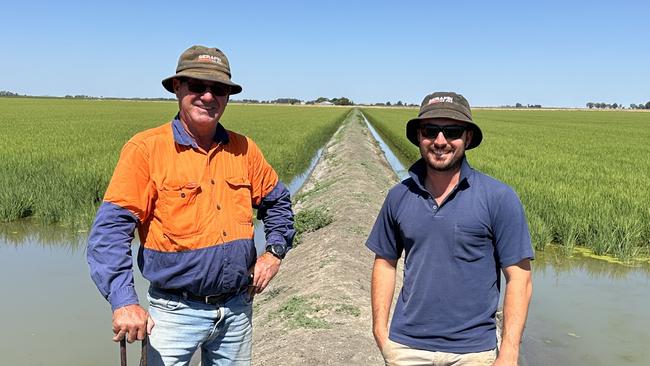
[189,187]
[458,228]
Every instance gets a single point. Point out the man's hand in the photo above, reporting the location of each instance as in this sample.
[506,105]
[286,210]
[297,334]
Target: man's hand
[266,267]
[500,361]
[131,321]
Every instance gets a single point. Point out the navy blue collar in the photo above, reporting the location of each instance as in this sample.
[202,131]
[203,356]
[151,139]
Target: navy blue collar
[418,172]
[181,136]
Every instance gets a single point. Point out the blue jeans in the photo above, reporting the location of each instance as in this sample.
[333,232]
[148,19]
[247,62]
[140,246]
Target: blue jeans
[223,331]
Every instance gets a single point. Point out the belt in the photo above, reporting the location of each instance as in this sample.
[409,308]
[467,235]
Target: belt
[209,299]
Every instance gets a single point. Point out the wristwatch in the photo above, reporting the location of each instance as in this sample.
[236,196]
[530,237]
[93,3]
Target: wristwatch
[278,250]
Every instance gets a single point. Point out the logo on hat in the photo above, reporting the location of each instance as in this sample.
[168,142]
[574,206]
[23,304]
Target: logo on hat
[209,58]
[440,100]
[203,63]
[447,105]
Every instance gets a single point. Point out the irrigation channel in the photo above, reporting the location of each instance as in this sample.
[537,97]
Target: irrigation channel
[585,311]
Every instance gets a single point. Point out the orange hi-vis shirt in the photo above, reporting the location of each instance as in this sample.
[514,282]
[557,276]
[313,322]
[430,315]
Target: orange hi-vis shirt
[193,210]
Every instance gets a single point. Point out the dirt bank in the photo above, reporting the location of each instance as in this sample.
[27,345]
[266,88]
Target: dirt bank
[317,309]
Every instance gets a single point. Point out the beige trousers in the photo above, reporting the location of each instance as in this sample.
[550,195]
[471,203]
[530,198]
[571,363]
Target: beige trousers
[396,354]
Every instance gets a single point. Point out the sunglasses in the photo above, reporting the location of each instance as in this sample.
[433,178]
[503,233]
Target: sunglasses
[452,132]
[198,87]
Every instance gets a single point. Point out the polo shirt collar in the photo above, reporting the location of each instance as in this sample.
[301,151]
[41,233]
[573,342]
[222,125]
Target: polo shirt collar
[181,136]
[418,171]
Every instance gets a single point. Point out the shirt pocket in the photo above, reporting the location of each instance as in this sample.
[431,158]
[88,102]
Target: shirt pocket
[472,243]
[240,194]
[179,209]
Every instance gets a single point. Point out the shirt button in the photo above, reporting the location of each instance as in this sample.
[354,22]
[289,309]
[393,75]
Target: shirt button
[435,207]
[224,233]
[212,181]
[182,194]
[218,206]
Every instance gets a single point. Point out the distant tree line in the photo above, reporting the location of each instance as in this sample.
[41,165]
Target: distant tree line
[398,104]
[80,96]
[640,106]
[519,105]
[4,93]
[319,100]
[592,105]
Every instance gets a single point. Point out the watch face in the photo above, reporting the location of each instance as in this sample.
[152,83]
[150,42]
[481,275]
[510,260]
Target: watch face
[278,249]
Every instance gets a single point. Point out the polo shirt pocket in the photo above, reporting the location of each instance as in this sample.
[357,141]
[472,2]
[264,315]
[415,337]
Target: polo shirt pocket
[472,243]
[240,195]
[179,209]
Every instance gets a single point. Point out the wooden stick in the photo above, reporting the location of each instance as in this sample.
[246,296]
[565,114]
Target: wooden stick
[143,354]
[123,352]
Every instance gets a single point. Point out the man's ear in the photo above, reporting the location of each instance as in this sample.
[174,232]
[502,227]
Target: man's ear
[176,84]
[468,140]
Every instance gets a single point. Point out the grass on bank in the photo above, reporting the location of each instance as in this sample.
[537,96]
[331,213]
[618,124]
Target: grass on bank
[581,175]
[301,312]
[58,154]
[309,220]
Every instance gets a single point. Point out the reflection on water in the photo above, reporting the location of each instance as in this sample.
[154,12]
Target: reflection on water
[33,231]
[587,311]
[555,261]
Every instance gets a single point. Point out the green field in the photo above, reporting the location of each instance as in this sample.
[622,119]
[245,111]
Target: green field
[581,175]
[57,155]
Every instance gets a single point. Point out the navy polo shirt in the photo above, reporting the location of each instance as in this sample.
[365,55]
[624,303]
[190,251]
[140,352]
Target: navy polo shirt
[453,256]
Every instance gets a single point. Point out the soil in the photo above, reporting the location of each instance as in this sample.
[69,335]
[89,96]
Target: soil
[316,311]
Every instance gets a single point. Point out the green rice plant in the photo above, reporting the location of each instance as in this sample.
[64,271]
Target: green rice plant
[58,154]
[581,175]
[540,234]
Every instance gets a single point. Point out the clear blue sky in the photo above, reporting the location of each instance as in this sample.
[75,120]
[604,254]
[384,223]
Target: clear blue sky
[554,53]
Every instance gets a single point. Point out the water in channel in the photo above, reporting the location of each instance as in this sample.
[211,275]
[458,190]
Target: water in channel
[584,311]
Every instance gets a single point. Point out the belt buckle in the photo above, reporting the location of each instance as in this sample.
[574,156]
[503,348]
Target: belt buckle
[216,299]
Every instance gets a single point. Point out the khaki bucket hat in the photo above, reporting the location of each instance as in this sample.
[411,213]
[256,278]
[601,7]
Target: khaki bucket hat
[444,105]
[203,63]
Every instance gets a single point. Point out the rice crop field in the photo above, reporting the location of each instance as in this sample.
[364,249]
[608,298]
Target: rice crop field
[581,175]
[57,155]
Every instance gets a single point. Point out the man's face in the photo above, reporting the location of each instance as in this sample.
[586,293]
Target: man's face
[201,103]
[443,153]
